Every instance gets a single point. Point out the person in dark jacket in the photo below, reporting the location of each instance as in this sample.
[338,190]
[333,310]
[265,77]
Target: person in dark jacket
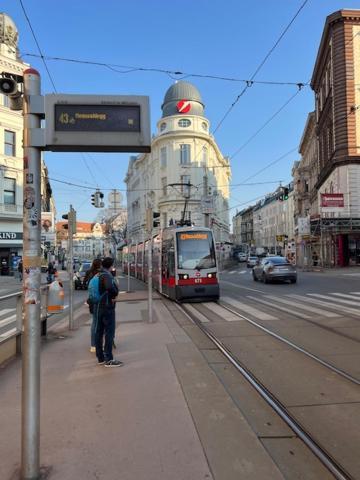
[20,270]
[51,270]
[105,316]
[93,270]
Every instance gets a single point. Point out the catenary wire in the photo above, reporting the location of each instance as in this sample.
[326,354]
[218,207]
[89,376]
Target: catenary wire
[262,63]
[38,46]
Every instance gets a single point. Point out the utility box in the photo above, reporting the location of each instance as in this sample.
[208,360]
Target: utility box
[55,302]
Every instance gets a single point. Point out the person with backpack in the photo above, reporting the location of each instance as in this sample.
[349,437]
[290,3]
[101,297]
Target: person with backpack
[103,291]
[93,270]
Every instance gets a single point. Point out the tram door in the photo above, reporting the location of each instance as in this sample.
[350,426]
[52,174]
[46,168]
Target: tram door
[168,268]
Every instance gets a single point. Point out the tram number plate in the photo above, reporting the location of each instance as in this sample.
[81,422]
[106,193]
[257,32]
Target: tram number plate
[198,280]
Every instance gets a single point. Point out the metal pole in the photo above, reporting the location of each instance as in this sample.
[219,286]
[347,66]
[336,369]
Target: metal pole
[206,194]
[30,402]
[150,305]
[71,270]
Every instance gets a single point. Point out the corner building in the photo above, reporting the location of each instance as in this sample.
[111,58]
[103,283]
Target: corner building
[183,152]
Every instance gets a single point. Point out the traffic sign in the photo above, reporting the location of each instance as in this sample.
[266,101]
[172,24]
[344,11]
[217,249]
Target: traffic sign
[183,106]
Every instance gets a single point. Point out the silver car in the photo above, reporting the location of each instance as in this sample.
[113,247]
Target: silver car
[274,268]
[251,261]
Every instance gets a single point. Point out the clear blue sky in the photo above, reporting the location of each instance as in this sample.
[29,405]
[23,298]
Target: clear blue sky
[209,37]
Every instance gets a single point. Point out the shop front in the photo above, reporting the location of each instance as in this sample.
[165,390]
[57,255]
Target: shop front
[11,245]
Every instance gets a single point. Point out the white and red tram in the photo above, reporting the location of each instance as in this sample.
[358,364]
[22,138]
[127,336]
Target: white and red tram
[184,263]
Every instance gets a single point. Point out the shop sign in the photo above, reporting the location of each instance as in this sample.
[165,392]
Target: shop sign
[332,200]
[11,235]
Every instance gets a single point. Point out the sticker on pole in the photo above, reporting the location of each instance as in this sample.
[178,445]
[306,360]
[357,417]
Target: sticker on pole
[183,106]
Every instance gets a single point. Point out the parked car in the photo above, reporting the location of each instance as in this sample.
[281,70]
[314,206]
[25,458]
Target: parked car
[79,276]
[251,261]
[274,268]
[242,257]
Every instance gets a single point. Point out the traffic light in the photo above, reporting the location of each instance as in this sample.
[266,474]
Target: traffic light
[156,219]
[96,199]
[285,194]
[65,217]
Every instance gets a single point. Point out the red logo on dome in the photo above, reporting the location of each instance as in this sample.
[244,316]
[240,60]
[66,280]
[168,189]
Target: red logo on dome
[184,106]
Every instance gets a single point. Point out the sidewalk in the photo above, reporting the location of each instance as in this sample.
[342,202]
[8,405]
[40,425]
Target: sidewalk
[164,415]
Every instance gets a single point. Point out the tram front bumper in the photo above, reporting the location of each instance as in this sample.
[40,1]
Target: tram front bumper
[197,292]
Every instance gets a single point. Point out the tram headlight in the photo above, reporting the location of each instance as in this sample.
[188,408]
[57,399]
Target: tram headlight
[211,275]
[183,276]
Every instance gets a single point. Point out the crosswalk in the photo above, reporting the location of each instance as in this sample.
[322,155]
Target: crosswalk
[309,306]
[7,319]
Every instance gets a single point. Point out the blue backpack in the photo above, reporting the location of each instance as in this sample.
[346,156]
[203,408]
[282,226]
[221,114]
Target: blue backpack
[94,289]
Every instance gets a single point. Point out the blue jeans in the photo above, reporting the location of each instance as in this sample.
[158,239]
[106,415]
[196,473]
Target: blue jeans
[105,325]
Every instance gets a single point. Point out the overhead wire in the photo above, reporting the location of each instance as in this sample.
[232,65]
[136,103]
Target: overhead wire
[262,63]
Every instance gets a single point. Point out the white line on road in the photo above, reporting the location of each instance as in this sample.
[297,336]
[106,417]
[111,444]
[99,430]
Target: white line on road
[355,293]
[196,314]
[223,313]
[319,311]
[279,307]
[351,297]
[5,311]
[248,309]
[7,320]
[327,297]
[333,306]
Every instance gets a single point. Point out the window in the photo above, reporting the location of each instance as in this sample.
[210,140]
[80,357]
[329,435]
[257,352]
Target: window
[204,152]
[184,122]
[6,101]
[9,191]
[184,188]
[164,185]
[9,143]
[163,157]
[184,154]
[204,126]
[162,127]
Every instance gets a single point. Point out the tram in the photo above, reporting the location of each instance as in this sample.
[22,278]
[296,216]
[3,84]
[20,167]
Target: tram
[183,263]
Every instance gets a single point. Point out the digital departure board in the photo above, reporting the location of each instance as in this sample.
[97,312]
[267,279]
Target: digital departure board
[97,118]
[97,123]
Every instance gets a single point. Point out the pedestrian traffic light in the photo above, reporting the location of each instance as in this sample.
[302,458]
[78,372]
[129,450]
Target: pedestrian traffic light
[156,219]
[285,194]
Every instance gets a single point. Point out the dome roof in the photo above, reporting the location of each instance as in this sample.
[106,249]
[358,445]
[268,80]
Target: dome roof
[8,31]
[182,91]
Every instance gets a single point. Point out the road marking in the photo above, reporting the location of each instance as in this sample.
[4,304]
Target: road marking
[7,320]
[351,297]
[355,293]
[248,309]
[279,307]
[319,311]
[5,311]
[8,333]
[240,286]
[223,313]
[333,306]
[232,272]
[327,297]
[196,314]
[350,274]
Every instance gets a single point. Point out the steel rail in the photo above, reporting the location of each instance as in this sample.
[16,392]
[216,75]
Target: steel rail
[331,464]
[293,345]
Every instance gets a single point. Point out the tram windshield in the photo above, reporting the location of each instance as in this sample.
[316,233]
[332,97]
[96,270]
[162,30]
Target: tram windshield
[195,250]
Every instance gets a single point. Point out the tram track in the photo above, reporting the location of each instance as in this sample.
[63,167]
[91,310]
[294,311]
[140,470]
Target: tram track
[333,466]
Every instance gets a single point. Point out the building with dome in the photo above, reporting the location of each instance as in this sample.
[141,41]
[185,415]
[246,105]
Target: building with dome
[11,163]
[185,166]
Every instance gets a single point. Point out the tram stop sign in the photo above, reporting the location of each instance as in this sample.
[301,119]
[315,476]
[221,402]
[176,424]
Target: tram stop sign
[97,123]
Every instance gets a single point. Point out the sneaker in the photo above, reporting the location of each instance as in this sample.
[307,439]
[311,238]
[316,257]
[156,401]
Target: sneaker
[92,349]
[101,363]
[113,363]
